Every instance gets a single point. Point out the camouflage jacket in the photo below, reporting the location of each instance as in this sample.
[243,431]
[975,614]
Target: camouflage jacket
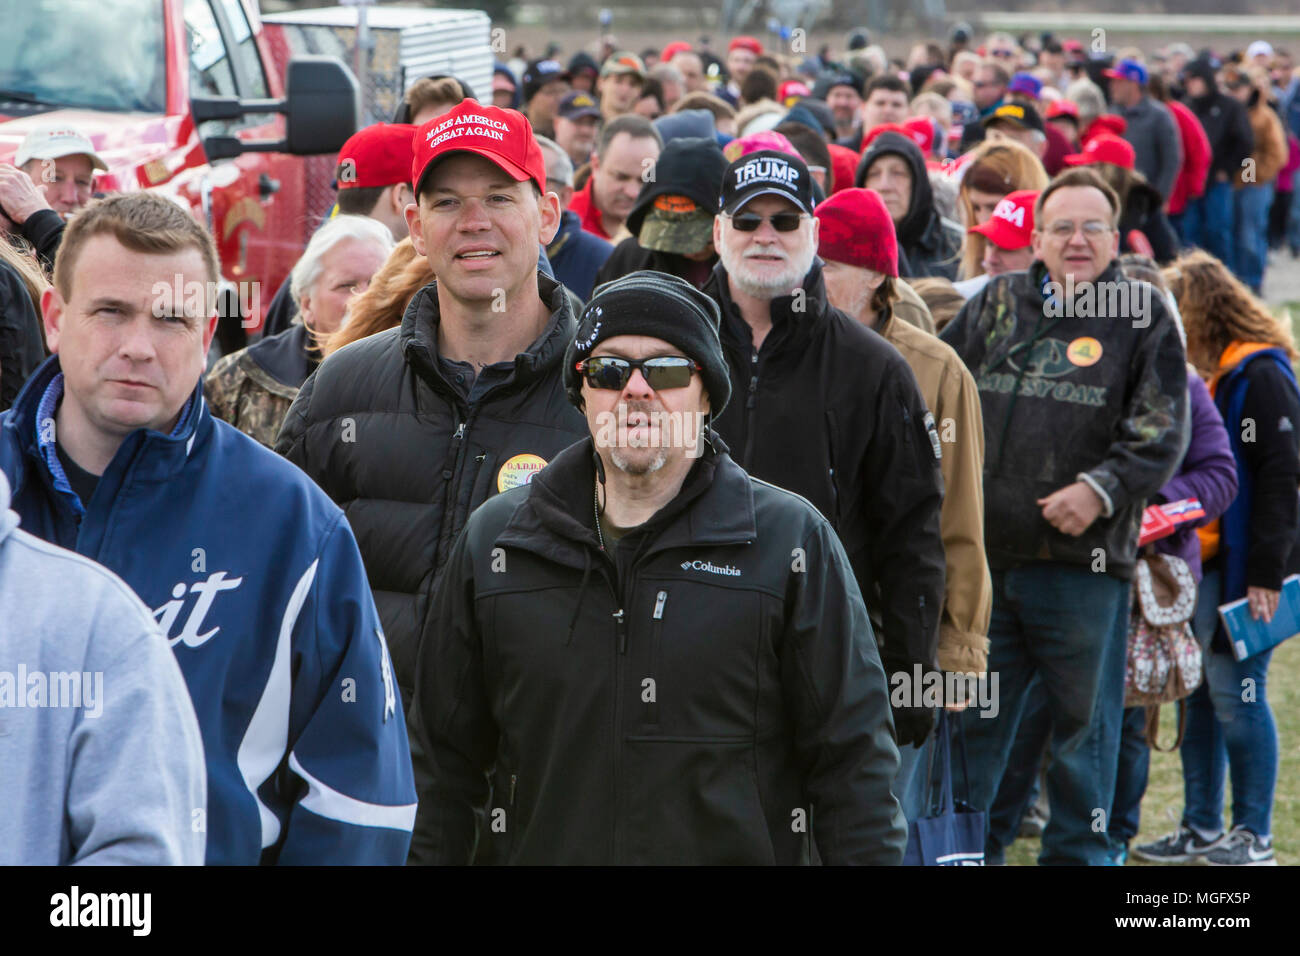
[253,388]
[1086,387]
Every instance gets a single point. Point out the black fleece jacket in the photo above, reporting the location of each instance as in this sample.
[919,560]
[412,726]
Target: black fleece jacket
[688,699]
[829,410]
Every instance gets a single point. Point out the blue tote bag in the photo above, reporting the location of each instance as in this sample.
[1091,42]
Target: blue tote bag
[954,834]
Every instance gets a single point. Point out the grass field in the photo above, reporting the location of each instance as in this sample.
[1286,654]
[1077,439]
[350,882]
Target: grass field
[1164,795]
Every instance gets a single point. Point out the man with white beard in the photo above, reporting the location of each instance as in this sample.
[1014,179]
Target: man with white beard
[828,409]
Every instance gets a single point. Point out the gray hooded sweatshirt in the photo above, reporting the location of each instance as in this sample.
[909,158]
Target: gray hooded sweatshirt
[101,761]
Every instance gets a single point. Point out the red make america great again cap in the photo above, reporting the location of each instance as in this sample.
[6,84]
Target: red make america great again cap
[503,137]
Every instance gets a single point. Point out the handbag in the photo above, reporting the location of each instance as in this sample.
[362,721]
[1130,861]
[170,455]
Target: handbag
[1163,663]
[953,835]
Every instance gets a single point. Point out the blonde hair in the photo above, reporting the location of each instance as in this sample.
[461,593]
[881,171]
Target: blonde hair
[1218,310]
[29,271]
[383,303]
[1009,163]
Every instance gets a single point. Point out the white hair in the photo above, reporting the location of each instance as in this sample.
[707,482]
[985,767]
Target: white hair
[309,266]
[563,171]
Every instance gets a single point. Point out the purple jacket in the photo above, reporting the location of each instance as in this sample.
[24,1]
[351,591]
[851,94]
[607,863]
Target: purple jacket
[1208,472]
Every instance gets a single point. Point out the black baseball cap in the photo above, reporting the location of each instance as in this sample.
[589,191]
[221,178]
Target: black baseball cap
[540,72]
[578,104]
[767,172]
[1020,114]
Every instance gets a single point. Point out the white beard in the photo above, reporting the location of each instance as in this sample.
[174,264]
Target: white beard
[767,286]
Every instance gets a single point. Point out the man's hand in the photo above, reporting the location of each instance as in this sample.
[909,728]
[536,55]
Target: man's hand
[1263,603]
[19,196]
[1070,510]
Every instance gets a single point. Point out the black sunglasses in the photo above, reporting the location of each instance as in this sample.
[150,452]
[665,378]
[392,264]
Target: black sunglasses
[665,371]
[781,222]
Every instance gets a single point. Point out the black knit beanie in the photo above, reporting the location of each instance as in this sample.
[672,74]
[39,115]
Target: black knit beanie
[661,306]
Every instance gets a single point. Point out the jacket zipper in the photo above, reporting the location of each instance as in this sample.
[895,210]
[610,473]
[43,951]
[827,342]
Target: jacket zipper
[656,655]
[751,400]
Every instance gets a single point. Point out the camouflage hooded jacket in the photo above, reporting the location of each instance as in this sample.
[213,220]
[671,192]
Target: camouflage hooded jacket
[253,388]
[1077,384]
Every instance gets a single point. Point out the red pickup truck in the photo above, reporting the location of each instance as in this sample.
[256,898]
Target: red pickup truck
[186,97]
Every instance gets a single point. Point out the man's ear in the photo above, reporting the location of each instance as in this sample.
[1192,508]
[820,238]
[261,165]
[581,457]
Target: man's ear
[1036,243]
[816,232]
[549,207]
[53,309]
[595,161]
[717,231]
[413,224]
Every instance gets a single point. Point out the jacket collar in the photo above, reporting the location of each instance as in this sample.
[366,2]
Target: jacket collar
[791,327]
[287,357]
[152,455]
[557,518]
[418,337]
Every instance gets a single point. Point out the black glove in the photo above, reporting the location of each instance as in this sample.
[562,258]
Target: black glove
[912,724]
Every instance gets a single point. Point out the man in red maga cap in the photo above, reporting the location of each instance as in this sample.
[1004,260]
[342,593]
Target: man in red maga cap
[412,429]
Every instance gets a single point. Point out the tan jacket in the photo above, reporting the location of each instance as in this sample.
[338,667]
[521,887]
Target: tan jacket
[949,390]
[1270,151]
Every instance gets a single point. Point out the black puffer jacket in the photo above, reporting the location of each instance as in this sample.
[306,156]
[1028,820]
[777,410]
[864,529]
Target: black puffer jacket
[394,444]
[829,410]
[738,696]
[931,243]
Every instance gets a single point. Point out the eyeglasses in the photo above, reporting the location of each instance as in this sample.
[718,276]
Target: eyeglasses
[781,221]
[1007,53]
[667,371]
[1065,229]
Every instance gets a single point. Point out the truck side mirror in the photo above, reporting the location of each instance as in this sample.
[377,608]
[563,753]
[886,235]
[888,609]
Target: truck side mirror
[322,107]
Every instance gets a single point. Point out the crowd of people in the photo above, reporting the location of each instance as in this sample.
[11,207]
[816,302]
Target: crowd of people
[629,447]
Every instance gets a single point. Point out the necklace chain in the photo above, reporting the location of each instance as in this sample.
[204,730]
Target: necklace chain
[595,508]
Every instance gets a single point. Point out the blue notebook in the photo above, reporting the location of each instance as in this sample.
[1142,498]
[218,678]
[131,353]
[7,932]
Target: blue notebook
[1249,636]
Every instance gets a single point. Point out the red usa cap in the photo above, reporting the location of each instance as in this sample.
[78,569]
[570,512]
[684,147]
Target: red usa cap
[1012,220]
[375,156]
[504,137]
[1105,148]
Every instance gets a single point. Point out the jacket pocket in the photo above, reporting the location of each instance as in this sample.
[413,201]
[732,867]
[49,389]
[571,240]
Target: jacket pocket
[695,801]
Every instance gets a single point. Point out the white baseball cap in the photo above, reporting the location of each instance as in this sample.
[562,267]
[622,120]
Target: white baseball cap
[55,142]
[1259,48]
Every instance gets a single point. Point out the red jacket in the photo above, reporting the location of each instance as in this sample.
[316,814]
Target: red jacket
[584,204]
[1190,183]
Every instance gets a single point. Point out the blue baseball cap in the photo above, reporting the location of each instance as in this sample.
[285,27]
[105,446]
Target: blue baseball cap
[1026,84]
[1128,70]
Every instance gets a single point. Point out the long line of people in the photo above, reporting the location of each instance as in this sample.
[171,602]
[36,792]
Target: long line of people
[873,283]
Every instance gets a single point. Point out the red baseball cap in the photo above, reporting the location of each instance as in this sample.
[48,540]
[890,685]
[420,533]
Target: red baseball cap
[870,136]
[746,43]
[921,130]
[1062,108]
[672,49]
[378,155]
[504,137]
[1104,148]
[1012,220]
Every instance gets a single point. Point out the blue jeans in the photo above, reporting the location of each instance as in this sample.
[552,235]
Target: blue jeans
[1230,731]
[909,784]
[1019,786]
[1068,626]
[1250,209]
[1208,223]
[1293,223]
[1131,778]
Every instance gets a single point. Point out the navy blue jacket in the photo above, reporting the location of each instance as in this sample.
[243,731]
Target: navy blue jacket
[577,255]
[255,578]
